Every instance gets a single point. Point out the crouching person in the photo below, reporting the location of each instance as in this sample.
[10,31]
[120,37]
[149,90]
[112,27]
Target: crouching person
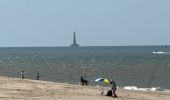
[83,81]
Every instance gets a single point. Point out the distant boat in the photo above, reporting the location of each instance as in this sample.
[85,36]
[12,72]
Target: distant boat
[158,52]
[161,52]
[74,41]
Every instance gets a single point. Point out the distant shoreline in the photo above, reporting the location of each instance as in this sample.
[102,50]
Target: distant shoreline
[81,46]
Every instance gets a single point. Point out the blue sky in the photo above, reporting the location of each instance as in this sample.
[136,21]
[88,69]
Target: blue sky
[96,22]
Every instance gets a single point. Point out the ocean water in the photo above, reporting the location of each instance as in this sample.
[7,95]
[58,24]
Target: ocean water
[127,65]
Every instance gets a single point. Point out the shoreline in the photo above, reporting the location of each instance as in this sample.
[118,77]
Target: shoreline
[27,89]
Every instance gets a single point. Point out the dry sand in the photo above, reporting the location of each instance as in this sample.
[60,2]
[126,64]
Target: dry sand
[18,89]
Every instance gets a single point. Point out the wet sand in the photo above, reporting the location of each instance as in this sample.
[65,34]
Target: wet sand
[18,89]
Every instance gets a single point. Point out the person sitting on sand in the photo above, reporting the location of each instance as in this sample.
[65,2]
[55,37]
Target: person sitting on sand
[83,81]
[86,82]
[22,74]
[114,88]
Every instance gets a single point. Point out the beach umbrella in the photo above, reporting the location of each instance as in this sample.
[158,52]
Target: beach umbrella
[102,80]
[99,80]
[106,81]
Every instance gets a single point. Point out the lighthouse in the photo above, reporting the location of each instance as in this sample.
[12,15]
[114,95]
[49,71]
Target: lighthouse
[74,41]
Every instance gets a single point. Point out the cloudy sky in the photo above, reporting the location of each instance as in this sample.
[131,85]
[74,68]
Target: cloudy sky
[96,22]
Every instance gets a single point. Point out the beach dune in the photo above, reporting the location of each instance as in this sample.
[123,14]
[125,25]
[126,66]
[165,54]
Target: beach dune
[18,89]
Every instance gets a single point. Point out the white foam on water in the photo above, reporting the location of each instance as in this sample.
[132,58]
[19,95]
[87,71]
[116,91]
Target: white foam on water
[153,89]
[167,90]
[130,88]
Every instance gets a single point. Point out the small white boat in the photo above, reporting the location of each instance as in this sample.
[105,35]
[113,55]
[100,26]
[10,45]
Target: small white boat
[158,52]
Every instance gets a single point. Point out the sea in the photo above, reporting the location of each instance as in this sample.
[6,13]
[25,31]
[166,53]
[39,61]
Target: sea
[133,66]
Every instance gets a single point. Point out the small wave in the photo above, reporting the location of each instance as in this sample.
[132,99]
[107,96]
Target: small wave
[135,88]
[167,90]
[153,89]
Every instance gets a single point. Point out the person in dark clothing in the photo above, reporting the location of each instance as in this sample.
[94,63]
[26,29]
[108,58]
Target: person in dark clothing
[109,93]
[37,76]
[83,81]
[86,82]
[114,88]
[22,74]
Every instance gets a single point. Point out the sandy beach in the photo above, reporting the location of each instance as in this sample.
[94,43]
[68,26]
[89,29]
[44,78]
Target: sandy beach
[18,89]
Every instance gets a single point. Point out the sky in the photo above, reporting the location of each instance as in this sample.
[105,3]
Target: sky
[27,23]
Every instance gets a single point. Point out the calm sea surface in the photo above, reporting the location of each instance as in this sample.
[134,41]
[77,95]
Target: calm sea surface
[127,65]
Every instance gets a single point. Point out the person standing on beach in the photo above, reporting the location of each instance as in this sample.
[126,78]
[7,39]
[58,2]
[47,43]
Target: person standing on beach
[82,80]
[22,74]
[114,88]
[37,76]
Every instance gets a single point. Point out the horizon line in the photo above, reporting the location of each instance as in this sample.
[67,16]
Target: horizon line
[78,47]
